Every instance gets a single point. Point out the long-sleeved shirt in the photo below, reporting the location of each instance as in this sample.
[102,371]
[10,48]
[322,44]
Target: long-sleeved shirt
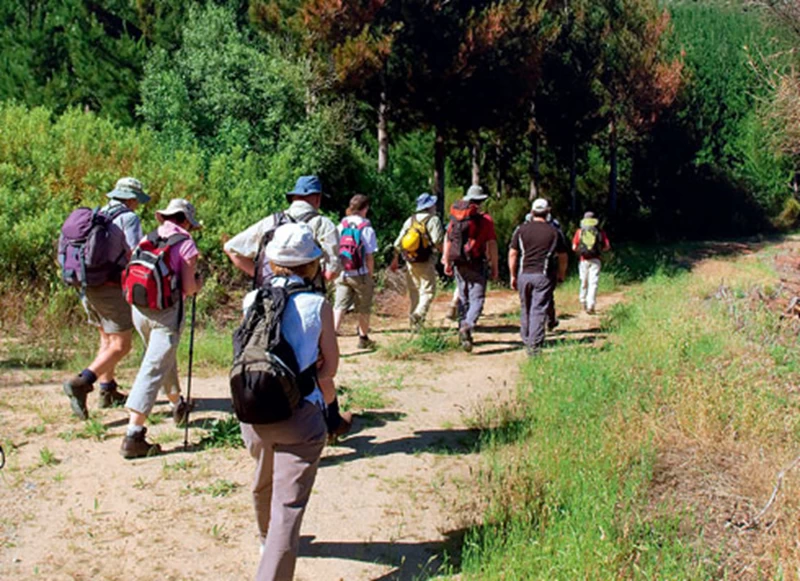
[433,226]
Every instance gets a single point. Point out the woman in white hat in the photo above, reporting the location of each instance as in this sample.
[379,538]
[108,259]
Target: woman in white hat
[287,453]
[160,329]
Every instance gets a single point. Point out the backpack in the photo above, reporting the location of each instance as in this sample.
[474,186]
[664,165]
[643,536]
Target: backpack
[263,273]
[590,239]
[416,244]
[266,384]
[91,248]
[148,281]
[462,233]
[351,245]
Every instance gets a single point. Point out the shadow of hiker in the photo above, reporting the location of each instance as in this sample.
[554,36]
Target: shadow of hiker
[442,442]
[411,561]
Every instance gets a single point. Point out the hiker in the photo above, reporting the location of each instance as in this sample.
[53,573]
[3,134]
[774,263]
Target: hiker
[287,452]
[104,304]
[552,319]
[469,247]
[419,240]
[246,249]
[589,242]
[358,244]
[537,260]
[160,324]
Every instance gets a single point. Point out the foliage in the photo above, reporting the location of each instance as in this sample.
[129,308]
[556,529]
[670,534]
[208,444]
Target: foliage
[222,433]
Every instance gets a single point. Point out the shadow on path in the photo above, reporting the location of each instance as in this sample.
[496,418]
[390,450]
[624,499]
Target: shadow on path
[410,560]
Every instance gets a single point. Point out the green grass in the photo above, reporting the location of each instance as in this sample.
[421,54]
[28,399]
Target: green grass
[47,457]
[429,340]
[362,395]
[218,488]
[92,429]
[222,433]
[569,469]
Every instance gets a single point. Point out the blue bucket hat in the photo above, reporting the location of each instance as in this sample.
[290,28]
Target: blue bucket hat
[425,201]
[306,186]
[129,189]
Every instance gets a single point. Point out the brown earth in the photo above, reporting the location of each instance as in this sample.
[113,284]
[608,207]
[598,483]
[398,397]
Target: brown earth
[391,501]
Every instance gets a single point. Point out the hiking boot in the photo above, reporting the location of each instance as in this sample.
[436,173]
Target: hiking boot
[452,312]
[76,390]
[590,310]
[111,398]
[364,342]
[344,427]
[553,324]
[137,447]
[465,337]
[533,351]
[180,412]
[415,322]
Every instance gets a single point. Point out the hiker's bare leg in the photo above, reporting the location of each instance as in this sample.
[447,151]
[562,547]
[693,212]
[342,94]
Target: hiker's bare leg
[338,315]
[363,324]
[118,345]
[105,342]
[136,418]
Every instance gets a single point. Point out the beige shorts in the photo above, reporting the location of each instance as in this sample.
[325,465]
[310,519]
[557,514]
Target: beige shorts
[356,292]
[107,309]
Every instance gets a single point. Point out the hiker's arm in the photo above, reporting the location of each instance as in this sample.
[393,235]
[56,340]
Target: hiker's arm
[246,265]
[513,265]
[563,262]
[370,260]
[448,266]
[191,281]
[494,258]
[329,353]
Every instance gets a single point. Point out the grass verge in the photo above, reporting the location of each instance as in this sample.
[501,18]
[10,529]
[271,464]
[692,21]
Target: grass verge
[581,480]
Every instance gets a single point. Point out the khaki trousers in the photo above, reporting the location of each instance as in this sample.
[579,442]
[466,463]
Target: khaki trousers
[287,457]
[421,282]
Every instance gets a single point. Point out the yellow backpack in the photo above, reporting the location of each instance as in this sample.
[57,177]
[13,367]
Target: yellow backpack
[416,243]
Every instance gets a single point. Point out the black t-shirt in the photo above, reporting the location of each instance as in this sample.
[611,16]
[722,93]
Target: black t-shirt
[535,241]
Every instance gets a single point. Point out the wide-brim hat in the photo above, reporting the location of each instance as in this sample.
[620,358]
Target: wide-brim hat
[293,245]
[306,186]
[129,189]
[178,206]
[475,194]
[425,201]
[540,205]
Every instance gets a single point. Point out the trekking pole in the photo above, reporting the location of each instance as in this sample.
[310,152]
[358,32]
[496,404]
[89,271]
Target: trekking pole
[2,457]
[189,379]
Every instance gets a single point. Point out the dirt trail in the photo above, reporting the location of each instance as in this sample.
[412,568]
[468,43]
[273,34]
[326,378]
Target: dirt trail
[389,501]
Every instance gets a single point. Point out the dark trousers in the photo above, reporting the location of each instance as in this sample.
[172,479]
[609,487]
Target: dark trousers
[471,281]
[536,295]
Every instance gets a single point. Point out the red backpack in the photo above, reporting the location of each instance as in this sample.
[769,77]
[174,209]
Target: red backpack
[148,280]
[351,245]
[462,233]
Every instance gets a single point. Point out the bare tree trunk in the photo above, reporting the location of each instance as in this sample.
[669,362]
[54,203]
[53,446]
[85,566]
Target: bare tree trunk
[476,162]
[533,170]
[499,166]
[612,159]
[573,180]
[439,154]
[383,136]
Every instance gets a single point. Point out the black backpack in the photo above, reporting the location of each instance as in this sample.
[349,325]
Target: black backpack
[262,273]
[266,384]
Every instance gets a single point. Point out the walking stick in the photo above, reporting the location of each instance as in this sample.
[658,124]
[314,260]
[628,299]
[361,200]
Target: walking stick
[189,379]
[2,457]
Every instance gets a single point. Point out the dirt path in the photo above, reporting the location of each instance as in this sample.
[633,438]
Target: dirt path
[390,501]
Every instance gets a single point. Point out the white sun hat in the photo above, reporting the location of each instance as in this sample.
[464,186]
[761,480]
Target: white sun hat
[293,245]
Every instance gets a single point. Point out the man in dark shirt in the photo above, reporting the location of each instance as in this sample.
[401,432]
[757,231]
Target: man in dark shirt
[537,260]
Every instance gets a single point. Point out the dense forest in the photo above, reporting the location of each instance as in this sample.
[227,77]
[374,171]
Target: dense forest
[674,119]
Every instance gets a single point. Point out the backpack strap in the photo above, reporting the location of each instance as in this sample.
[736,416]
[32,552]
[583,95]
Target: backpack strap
[116,211]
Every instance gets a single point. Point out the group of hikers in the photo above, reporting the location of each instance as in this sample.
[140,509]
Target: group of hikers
[286,351]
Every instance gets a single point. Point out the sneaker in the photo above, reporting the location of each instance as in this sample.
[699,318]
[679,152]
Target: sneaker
[553,324]
[590,310]
[344,427]
[452,312]
[111,398]
[415,322]
[180,412]
[137,447]
[364,342]
[76,390]
[465,337]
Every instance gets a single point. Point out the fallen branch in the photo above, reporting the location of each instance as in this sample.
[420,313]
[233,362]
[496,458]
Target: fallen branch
[754,521]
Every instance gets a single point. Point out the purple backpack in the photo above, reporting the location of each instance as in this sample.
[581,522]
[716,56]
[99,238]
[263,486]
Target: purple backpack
[91,248]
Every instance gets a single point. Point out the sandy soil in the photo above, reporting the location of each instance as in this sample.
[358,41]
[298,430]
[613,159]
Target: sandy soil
[391,501]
